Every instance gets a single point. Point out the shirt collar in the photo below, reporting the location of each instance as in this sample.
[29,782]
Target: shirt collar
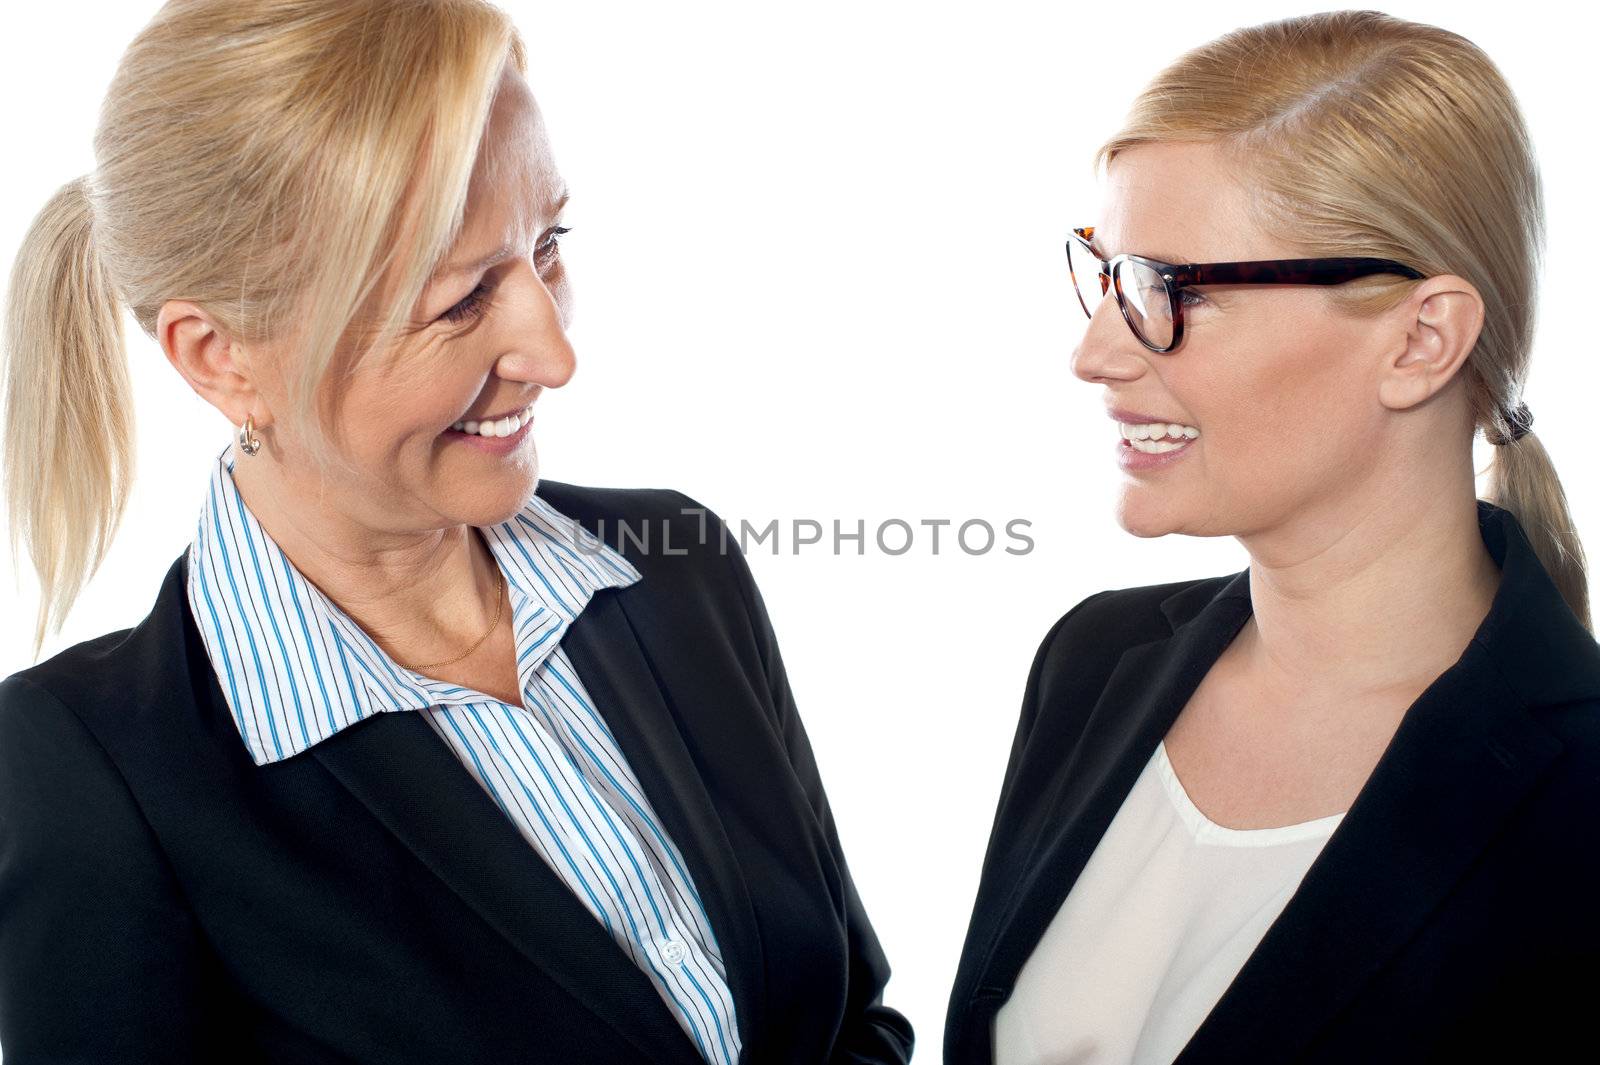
[295,668]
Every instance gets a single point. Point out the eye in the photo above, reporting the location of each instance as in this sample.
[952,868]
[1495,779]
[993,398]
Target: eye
[474,303]
[1191,298]
[551,247]
[470,306]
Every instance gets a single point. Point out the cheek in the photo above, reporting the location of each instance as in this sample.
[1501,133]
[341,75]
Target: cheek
[413,404]
[1280,415]
[1289,365]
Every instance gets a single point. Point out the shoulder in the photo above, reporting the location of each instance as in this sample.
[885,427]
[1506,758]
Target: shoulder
[48,742]
[682,549]
[659,522]
[1081,650]
[117,683]
[1577,768]
[587,503]
[66,677]
[1103,625]
[696,592]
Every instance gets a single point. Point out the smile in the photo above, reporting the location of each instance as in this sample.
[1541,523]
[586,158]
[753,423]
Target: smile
[496,427]
[1157,438]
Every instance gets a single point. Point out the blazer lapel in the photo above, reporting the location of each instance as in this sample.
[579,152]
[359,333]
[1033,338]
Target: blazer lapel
[606,649]
[1144,694]
[396,765]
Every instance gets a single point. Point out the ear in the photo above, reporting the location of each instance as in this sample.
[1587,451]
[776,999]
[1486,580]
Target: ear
[216,367]
[1437,326]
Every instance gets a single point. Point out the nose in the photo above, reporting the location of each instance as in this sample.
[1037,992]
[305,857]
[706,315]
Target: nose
[1108,350]
[538,309]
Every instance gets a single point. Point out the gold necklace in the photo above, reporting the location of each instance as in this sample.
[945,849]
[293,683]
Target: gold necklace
[499,608]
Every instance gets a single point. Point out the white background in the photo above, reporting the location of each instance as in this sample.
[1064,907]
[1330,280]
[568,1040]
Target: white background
[817,252]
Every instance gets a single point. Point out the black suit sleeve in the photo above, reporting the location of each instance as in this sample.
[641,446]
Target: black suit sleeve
[100,959]
[872,1033]
[1033,693]
[1052,667]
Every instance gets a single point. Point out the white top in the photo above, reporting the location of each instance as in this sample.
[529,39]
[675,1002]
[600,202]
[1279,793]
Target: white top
[1152,933]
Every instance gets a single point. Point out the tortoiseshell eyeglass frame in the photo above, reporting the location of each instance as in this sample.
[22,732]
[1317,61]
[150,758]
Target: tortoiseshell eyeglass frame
[1178,276]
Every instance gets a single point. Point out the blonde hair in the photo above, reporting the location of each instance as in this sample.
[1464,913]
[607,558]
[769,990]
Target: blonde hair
[298,168]
[1368,135]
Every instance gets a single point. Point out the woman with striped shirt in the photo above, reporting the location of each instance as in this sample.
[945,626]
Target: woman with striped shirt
[417,757]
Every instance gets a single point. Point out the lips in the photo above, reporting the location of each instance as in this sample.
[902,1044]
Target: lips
[495,417]
[1135,417]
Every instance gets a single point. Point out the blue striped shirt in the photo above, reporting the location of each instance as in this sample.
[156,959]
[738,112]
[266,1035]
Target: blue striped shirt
[295,669]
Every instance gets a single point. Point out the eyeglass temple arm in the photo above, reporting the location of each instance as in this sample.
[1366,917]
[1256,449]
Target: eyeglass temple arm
[1287,271]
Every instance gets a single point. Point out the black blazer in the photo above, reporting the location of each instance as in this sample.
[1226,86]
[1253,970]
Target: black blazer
[164,899]
[1454,914]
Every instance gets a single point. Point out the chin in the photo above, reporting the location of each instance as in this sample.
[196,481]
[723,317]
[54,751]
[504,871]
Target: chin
[496,499]
[1141,519]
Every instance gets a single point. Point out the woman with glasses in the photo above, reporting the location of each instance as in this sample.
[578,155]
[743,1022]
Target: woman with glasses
[1336,807]
[418,756]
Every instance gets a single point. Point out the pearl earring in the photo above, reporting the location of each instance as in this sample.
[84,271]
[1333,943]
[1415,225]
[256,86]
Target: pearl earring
[248,441]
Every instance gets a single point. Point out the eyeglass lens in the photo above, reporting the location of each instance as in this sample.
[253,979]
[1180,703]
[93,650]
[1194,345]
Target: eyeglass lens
[1144,293]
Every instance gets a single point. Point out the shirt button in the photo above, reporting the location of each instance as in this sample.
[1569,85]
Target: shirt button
[672,951]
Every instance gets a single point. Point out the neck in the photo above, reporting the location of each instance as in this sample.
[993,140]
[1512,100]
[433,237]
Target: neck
[1383,600]
[422,594]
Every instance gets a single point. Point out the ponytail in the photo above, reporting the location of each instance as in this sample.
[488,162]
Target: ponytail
[1523,480]
[68,440]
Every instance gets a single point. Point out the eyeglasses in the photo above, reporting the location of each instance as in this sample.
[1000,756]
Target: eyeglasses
[1149,291]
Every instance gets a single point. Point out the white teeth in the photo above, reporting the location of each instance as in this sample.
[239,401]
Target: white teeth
[1157,430]
[499,427]
[1156,447]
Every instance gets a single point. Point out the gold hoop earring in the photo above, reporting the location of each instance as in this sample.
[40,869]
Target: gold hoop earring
[248,441]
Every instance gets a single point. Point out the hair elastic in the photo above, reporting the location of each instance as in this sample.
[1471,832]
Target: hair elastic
[1520,418]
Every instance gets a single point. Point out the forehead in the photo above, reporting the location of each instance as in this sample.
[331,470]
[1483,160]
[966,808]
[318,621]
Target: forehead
[1178,203]
[516,189]
[515,148]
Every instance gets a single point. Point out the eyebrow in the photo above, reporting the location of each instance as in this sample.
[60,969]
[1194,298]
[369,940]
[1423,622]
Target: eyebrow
[498,255]
[1175,260]
[457,269]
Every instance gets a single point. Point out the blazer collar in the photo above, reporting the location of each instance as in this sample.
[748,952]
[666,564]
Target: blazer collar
[1413,828]
[295,668]
[1542,649]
